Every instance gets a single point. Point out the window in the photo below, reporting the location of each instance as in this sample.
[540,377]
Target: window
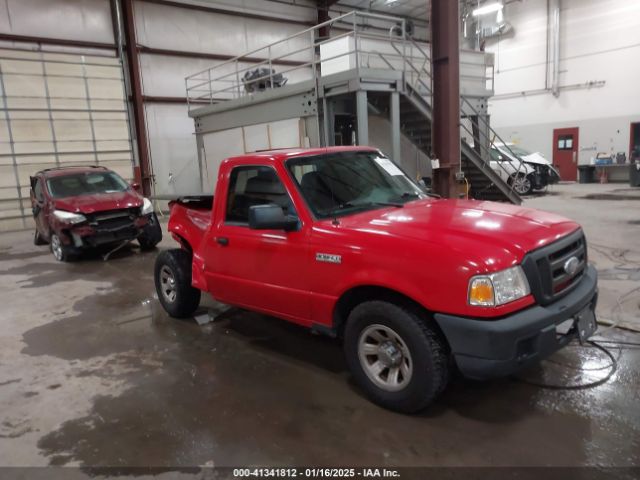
[37,190]
[249,186]
[565,142]
[496,156]
[86,184]
[349,182]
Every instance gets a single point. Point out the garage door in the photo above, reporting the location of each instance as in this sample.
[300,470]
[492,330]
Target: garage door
[57,109]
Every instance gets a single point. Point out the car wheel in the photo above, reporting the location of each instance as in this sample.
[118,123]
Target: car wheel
[395,356]
[151,235]
[60,251]
[37,238]
[173,283]
[521,184]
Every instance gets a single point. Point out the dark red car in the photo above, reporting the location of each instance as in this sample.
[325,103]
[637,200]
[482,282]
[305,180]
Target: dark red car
[78,208]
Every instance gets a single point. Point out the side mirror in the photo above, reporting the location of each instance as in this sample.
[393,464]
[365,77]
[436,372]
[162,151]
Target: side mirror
[271,217]
[135,186]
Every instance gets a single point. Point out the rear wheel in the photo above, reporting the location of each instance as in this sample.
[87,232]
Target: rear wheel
[173,283]
[395,356]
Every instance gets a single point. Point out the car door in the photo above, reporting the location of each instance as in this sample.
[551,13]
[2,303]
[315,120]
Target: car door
[39,206]
[264,270]
[500,164]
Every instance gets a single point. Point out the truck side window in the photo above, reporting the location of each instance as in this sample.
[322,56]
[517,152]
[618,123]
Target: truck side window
[255,185]
[37,190]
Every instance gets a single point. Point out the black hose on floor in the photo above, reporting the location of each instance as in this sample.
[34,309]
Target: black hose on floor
[613,365]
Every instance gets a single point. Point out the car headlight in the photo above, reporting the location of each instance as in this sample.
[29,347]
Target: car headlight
[69,217]
[147,207]
[498,288]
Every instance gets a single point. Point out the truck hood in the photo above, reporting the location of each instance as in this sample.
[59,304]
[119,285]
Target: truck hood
[509,227]
[99,202]
[536,158]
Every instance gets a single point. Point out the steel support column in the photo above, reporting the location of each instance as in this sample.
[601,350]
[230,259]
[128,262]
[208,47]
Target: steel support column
[394,120]
[362,113]
[136,95]
[446,94]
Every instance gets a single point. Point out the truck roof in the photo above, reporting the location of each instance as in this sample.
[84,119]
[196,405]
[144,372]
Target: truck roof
[286,153]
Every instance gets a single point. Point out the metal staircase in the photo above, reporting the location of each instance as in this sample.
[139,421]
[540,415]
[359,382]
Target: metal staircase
[359,61]
[415,122]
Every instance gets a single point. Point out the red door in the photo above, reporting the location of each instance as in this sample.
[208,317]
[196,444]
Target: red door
[565,152]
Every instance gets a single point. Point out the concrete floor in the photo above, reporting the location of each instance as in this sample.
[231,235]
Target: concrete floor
[93,372]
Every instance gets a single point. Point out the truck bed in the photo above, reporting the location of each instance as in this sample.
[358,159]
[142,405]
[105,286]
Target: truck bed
[190,217]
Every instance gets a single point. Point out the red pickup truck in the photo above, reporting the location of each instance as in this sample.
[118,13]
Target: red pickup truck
[340,240]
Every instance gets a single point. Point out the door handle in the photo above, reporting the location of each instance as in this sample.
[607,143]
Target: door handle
[224,241]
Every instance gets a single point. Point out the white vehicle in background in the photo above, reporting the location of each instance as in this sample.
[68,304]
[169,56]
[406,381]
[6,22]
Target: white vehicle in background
[512,170]
[544,174]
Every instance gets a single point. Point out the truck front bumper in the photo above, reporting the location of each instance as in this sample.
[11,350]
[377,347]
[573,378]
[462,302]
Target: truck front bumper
[492,348]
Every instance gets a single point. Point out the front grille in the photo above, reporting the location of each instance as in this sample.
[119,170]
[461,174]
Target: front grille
[545,267]
[113,219]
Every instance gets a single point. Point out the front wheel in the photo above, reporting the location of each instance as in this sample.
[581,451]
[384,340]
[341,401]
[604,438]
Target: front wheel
[172,276]
[521,184]
[151,234]
[395,356]
[61,252]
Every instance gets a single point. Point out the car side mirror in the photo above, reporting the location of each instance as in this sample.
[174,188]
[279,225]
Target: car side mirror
[271,217]
[135,186]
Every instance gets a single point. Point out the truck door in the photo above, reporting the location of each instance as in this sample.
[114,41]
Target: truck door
[265,270]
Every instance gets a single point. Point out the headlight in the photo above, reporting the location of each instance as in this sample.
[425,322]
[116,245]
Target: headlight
[498,288]
[147,207]
[69,217]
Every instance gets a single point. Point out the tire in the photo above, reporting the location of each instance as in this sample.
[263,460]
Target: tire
[522,184]
[60,251]
[151,235]
[37,238]
[178,297]
[423,373]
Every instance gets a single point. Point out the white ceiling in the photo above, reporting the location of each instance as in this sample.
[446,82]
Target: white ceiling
[418,9]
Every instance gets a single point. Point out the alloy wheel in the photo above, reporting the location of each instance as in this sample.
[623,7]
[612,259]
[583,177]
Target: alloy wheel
[385,357]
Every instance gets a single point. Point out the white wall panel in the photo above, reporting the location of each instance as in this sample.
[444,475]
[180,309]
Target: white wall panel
[172,146]
[86,20]
[600,41]
[168,27]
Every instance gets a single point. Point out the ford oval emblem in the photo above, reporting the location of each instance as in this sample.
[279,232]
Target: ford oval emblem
[571,265]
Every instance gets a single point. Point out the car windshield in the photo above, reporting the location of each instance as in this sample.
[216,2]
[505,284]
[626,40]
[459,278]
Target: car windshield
[521,152]
[88,183]
[347,182]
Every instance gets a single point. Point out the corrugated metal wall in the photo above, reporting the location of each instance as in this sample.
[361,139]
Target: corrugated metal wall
[61,105]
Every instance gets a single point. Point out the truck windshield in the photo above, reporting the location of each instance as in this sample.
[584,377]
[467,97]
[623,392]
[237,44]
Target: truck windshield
[85,184]
[348,182]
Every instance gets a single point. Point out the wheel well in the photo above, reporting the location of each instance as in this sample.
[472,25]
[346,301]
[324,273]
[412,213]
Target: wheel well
[183,242]
[351,298]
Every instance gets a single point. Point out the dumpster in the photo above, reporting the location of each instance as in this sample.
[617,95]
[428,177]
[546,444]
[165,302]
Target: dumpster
[586,173]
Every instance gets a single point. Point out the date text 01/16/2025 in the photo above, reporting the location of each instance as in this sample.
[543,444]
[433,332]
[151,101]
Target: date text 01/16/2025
[315,473]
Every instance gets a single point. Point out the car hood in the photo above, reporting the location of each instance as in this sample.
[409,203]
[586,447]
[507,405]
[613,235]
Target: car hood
[99,202]
[513,228]
[536,158]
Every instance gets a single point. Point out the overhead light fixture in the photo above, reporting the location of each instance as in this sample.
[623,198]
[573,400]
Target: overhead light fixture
[487,8]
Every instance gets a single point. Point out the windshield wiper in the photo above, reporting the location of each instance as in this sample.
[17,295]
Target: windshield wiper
[364,205]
